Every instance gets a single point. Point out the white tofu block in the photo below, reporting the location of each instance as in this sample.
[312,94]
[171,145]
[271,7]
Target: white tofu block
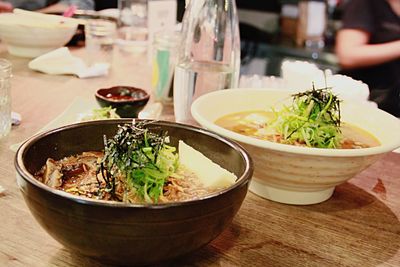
[211,174]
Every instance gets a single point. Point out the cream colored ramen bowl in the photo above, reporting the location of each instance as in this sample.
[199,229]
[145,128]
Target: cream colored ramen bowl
[291,174]
[28,37]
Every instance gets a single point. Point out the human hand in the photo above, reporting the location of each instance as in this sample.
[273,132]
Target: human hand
[5,7]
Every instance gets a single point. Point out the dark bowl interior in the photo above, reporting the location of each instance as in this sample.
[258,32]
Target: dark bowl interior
[128,101]
[127,234]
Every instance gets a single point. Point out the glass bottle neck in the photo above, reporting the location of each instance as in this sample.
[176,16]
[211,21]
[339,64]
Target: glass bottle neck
[211,32]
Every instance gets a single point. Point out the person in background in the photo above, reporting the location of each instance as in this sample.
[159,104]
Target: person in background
[46,6]
[368,49]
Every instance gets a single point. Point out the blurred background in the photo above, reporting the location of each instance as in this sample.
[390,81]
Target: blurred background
[272,31]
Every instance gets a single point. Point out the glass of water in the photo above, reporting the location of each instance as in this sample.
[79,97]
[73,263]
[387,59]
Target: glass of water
[132,25]
[100,36]
[5,97]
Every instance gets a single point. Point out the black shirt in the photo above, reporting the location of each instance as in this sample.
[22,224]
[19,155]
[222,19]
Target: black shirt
[378,19]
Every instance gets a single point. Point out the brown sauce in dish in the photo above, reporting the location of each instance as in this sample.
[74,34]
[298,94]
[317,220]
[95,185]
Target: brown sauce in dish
[254,123]
[119,97]
[125,95]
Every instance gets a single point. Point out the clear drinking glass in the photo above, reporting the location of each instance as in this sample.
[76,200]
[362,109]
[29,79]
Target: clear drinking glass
[210,53]
[164,54]
[100,36]
[5,97]
[132,25]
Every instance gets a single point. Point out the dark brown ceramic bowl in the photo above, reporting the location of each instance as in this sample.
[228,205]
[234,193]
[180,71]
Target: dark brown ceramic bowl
[130,234]
[128,101]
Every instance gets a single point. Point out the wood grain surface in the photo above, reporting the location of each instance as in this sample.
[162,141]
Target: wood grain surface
[358,226]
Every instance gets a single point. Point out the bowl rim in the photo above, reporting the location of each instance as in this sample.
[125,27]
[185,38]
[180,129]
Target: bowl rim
[32,23]
[131,88]
[323,152]
[24,173]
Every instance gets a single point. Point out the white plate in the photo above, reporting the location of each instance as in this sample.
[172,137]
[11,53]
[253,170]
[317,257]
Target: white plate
[69,115]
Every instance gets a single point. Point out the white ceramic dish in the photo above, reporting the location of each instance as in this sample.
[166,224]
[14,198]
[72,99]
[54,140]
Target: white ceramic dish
[28,36]
[71,114]
[298,175]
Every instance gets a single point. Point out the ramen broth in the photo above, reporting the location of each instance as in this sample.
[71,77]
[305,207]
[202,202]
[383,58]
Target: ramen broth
[255,124]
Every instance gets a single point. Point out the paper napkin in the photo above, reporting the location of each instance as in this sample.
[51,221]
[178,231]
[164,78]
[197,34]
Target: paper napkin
[61,61]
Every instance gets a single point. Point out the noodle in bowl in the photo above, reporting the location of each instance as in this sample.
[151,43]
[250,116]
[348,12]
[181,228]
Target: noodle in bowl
[130,233]
[296,174]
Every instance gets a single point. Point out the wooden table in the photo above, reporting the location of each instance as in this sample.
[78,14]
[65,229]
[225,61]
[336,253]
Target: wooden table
[358,226]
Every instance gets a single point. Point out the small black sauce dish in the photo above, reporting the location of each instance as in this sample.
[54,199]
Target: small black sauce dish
[128,101]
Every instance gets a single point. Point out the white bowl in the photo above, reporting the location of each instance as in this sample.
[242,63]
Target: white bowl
[31,37]
[291,174]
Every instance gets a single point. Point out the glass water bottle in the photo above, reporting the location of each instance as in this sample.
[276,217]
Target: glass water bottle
[209,58]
